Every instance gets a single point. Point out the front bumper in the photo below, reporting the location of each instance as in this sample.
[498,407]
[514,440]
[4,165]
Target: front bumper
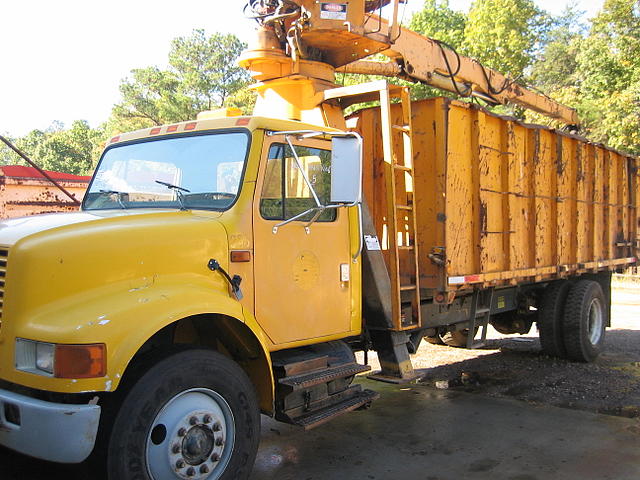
[56,432]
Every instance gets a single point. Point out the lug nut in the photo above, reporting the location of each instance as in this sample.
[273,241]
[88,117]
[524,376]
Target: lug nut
[216,427]
[180,464]
[191,472]
[175,448]
[219,441]
[193,420]
[182,432]
[204,469]
[207,419]
[215,457]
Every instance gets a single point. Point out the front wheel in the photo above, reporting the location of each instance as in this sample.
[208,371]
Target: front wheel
[192,415]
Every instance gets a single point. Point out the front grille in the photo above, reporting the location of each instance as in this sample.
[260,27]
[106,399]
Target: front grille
[4,255]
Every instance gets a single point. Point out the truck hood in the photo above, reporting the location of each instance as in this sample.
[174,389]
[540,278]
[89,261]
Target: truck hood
[15,229]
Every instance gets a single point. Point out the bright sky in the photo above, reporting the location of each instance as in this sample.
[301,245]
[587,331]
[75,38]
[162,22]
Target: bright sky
[64,60]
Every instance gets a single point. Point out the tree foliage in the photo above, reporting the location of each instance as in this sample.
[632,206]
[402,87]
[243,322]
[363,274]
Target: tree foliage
[202,75]
[74,150]
[504,34]
[609,66]
[597,71]
[437,20]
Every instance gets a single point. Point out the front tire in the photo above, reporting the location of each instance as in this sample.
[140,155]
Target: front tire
[585,321]
[192,415]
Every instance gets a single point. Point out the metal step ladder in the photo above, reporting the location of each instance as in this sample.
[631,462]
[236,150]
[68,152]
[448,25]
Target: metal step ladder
[401,214]
[479,316]
[311,389]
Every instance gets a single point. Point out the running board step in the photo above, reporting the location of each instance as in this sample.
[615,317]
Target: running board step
[306,380]
[317,418]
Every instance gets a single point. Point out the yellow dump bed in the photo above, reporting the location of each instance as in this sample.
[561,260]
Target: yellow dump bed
[500,202]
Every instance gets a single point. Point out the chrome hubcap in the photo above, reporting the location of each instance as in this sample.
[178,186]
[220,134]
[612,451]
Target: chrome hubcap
[192,437]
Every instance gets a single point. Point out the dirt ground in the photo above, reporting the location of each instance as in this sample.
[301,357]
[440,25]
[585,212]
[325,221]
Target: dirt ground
[514,366]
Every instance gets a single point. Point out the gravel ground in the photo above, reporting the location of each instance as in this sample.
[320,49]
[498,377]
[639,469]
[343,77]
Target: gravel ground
[514,366]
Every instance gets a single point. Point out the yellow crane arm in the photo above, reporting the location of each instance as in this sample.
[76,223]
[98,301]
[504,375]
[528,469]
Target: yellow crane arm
[426,60]
[315,38]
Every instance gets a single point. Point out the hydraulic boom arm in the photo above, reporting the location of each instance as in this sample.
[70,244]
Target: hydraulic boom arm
[423,59]
[341,34]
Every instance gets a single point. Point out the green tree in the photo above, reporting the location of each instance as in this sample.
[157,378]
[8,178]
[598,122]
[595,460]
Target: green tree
[7,156]
[505,34]
[202,75]
[609,68]
[74,150]
[438,21]
[556,68]
[151,97]
[207,67]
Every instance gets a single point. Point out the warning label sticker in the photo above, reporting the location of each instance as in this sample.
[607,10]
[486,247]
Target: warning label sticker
[371,241]
[333,11]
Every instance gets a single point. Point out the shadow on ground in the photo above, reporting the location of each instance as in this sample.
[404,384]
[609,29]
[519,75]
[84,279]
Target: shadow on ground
[518,369]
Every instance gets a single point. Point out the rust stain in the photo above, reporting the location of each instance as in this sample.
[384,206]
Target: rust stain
[39,203]
[483,218]
[580,166]
[560,164]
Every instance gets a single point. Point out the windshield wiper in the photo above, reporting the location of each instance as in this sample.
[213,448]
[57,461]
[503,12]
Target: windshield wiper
[178,191]
[118,196]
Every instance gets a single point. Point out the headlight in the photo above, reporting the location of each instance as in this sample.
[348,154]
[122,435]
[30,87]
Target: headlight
[61,361]
[44,356]
[35,357]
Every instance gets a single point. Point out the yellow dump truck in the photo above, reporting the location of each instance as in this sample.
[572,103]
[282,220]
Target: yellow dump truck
[231,265]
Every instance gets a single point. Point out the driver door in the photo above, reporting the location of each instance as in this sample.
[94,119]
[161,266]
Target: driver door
[303,284]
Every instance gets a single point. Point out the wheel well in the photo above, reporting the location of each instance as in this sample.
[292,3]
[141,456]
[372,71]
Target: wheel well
[224,334]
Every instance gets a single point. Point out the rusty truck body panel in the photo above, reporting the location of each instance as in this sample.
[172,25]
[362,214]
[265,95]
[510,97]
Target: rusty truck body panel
[499,202]
[24,191]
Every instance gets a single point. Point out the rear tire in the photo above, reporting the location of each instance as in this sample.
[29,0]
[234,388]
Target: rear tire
[195,413]
[585,321]
[551,318]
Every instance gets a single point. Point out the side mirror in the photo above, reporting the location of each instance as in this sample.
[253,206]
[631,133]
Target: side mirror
[346,169]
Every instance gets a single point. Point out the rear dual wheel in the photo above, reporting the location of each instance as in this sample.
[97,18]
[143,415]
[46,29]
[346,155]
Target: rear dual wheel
[551,318]
[585,321]
[572,320]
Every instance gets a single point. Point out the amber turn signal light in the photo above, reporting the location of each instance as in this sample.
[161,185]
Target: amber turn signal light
[80,361]
[240,256]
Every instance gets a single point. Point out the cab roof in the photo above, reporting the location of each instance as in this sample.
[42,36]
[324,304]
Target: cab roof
[250,123]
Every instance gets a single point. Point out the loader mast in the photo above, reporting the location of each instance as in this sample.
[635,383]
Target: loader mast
[312,39]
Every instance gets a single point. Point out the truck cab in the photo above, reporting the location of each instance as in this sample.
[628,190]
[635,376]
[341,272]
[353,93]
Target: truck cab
[198,243]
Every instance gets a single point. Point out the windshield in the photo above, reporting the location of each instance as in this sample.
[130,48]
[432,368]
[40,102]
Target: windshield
[192,172]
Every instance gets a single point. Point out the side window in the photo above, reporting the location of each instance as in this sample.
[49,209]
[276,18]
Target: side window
[285,194]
